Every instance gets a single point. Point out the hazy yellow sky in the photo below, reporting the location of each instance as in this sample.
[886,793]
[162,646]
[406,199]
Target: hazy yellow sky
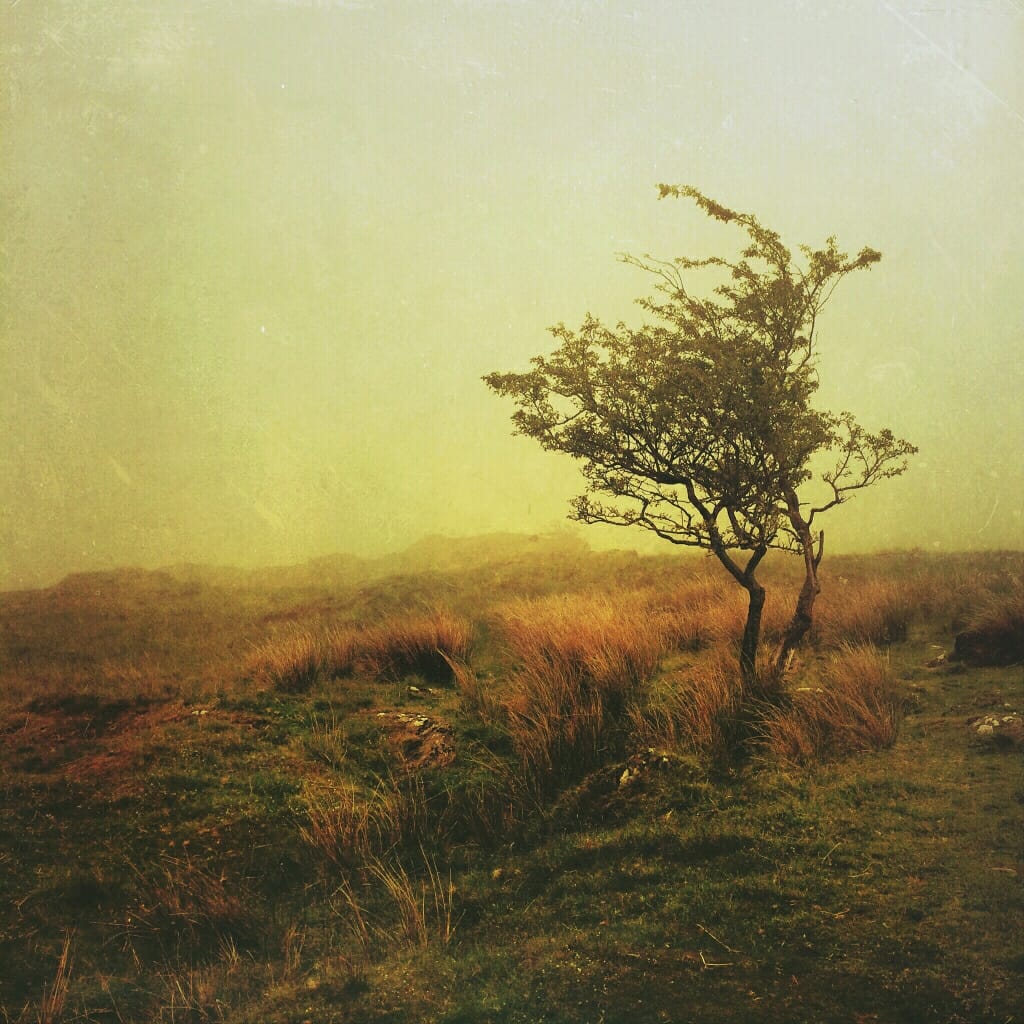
[256,254]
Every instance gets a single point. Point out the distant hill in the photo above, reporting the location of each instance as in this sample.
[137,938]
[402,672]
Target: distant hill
[434,553]
[437,553]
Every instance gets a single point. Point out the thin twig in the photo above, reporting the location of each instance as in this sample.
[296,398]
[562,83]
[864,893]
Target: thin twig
[711,935]
[830,852]
[708,963]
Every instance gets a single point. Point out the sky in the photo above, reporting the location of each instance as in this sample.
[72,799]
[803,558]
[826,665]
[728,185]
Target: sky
[255,255]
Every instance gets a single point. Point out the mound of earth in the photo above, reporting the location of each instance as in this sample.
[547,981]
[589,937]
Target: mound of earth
[1001,730]
[417,740]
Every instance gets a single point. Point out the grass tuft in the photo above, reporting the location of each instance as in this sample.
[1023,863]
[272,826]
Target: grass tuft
[295,662]
[55,993]
[995,631]
[419,645]
[347,826]
[581,661]
[401,646]
[692,709]
[865,612]
[424,906]
[855,708]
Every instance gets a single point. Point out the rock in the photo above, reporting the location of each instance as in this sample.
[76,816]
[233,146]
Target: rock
[641,763]
[1003,730]
[989,646]
[417,740]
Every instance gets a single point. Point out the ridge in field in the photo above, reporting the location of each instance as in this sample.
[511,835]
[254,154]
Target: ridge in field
[431,553]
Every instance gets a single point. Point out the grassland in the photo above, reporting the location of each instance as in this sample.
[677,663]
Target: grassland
[500,783]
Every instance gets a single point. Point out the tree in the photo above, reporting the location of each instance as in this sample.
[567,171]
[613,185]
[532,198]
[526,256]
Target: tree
[699,427]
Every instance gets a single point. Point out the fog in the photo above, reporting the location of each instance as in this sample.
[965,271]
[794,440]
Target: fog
[256,255]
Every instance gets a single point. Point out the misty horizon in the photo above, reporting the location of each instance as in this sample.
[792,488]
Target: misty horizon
[255,263]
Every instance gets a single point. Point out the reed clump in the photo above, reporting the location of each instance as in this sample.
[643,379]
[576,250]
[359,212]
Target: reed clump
[853,706]
[580,661]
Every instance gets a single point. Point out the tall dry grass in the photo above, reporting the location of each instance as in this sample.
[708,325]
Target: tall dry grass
[198,900]
[347,825]
[995,630]
[474,694]
[425,905]
[579,661]
[55,993]
[854,707]
[294,662]
[394,907]
[691,709]
[418,645]
[411,645]
[870,611]
[706,611]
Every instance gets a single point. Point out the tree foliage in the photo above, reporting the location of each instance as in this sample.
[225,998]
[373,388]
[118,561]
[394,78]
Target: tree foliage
[699,425]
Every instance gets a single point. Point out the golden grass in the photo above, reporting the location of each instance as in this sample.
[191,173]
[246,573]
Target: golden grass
[415,645]
[1000,614]
[863,612]
[995,630]
[612,641]
[200,899]
[579,661]
[424,906]
[327,741]
[55,993]
[348,826]
[293,663]
[475,696]
[400,646]
[855,707]
[707,611]
[691,709]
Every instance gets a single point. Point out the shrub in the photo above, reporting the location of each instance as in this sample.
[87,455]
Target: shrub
[855,708]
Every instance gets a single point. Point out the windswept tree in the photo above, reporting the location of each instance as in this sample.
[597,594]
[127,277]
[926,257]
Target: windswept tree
[699,425]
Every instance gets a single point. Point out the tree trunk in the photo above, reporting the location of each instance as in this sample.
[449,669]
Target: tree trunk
[751,635]
[803,614]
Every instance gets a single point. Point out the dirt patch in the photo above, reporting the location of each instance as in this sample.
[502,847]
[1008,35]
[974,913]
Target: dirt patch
[417,740]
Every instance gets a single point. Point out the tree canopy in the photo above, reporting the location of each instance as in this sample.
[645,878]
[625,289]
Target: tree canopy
[699,425]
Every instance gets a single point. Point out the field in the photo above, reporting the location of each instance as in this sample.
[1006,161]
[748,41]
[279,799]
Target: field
[508,780]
